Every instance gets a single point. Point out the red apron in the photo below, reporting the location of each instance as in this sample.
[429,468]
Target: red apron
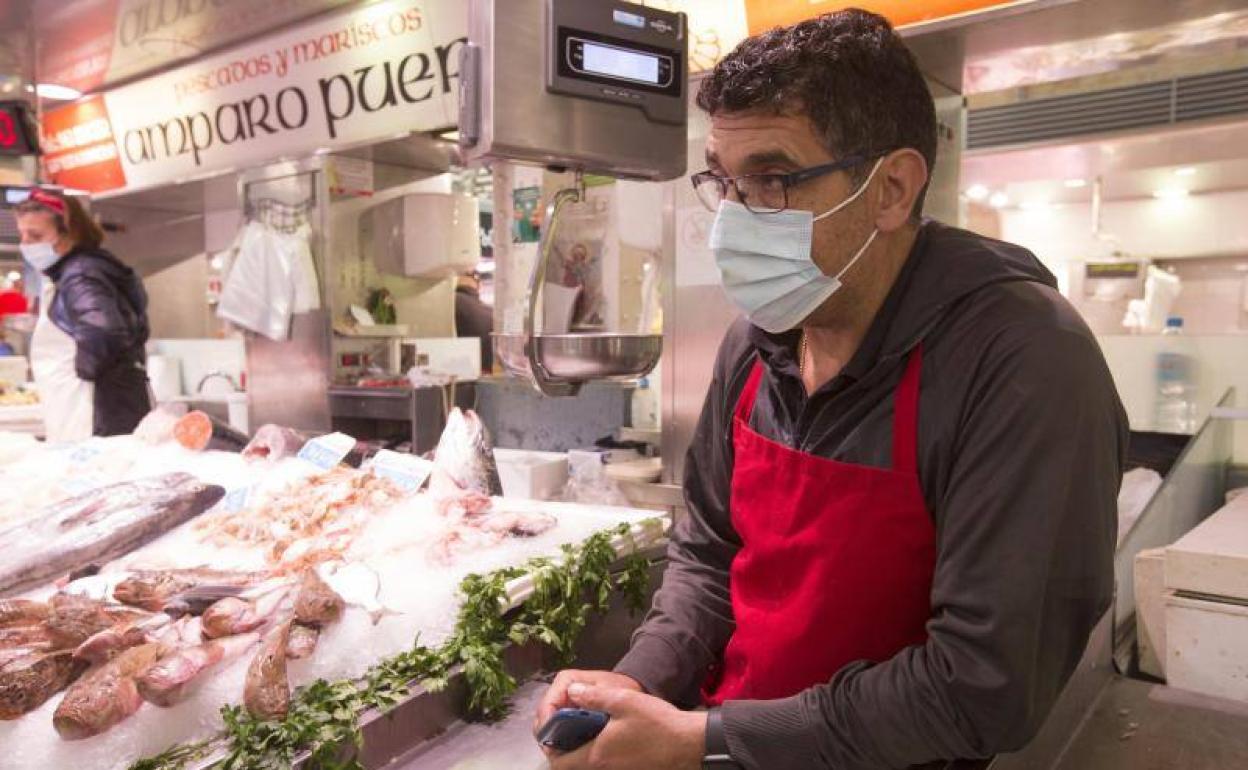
[836,559]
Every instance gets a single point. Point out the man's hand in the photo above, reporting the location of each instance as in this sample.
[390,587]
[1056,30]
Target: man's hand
[556,696]
[645,732]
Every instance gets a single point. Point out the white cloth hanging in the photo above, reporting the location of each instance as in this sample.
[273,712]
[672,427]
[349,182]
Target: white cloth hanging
[259,291]
[68,402]
[303,270]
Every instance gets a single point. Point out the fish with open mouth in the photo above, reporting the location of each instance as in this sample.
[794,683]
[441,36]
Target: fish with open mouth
[101,525]
[266,694]
[464,458]
[27,682]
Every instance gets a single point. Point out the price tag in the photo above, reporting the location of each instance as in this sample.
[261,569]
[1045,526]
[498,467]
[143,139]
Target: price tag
[327,451]
[409,472]
[83,453]
[235,500]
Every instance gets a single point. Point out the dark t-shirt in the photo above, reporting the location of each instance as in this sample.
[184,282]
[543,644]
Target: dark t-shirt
[474,318]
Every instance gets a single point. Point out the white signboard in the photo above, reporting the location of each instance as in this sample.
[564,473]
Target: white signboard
[367,75]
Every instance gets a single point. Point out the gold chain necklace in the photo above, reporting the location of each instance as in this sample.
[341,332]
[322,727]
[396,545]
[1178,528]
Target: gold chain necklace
[801,356]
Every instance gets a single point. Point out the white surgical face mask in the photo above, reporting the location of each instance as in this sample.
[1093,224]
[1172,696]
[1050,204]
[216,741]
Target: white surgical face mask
[41,256]
[765,263]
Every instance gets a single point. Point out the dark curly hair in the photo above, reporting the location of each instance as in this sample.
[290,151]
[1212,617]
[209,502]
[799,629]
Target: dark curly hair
[847,71]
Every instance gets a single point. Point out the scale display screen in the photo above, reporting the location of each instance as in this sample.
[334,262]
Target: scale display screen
[591,57]
[620,63]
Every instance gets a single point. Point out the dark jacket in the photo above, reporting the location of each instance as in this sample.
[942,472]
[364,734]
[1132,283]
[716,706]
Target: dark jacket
[474,318]
[1022,442]
[100,302]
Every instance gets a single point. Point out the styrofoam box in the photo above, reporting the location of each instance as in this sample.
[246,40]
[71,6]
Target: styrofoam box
[1213,558]
[1205,643]
[1150,610]
[530,474]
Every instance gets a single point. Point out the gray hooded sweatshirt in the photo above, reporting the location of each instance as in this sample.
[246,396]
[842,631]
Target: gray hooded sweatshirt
[1022,443]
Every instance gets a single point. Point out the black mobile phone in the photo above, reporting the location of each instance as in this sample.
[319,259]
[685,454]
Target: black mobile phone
[570,729]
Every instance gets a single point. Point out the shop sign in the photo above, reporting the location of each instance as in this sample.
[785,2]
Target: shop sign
[86,44]
[765,14]
[378,71]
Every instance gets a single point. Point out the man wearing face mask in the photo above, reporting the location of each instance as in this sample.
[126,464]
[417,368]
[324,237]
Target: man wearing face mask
[902,486]
[87,351]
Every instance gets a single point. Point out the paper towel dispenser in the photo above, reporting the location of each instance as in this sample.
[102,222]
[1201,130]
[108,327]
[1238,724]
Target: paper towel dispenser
[427,235]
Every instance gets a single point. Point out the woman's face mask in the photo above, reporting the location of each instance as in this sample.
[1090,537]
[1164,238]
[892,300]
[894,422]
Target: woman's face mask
[765,261]
[41,241]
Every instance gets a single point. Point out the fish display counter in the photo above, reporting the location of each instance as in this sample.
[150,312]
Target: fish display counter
[165,605]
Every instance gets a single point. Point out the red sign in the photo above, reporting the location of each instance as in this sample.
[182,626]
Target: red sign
[76,43]
[765,14]
[14,136]
[79,151]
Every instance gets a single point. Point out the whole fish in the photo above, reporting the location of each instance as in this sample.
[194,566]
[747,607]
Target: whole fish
[274,442]
[155,589]
[266,694]
[22,612]
[464,458]
[316,604]
[101,525]
[302,642]
[27,682]
[230,616]
[103,646]
[171,679]
[106,695]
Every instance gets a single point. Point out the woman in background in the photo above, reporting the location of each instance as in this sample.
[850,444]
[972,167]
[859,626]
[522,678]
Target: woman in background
[87,352]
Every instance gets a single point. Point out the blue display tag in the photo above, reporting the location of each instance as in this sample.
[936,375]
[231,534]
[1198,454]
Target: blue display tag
[408,472]
[83,453]
[327,451]
[235,500]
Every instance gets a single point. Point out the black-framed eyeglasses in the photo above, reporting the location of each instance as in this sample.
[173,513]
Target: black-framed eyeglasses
[763,193]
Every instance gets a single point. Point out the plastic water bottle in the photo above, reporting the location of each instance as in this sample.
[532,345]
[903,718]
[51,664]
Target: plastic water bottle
[645,406]
[1176,385]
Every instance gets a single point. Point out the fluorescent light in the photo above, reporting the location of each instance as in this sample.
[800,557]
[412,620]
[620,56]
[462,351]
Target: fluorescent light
[1170,193]
[1185,171]
[998,200]
[977,192]
[13,276]
[53,91]
[1075,183]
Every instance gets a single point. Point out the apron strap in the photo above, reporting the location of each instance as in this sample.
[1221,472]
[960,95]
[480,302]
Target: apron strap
[745,404]
[906,415]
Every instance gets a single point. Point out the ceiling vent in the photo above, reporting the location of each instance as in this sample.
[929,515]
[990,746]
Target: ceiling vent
[1194,97]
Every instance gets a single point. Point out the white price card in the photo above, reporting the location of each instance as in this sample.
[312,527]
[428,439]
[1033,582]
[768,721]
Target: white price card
[327,451]
[409,472]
